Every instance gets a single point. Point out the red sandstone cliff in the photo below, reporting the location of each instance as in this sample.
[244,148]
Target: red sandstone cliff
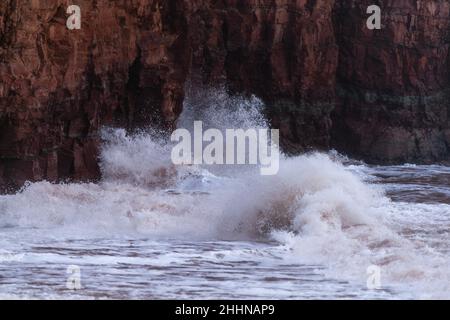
[326,79]
[394,83]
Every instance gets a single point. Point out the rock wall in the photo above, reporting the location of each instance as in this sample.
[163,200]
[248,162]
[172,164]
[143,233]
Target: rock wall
[126,66]
[394,83]
[285,52]
[327,80]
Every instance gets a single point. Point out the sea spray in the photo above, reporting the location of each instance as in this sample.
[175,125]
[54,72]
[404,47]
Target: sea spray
[318,211]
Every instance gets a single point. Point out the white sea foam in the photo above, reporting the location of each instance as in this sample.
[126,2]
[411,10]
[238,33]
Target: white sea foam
[320,211]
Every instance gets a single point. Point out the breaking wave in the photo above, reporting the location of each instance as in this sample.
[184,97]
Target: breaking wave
[318,208]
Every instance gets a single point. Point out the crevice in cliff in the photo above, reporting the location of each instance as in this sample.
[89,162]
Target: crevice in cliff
[128,107]
[8,17]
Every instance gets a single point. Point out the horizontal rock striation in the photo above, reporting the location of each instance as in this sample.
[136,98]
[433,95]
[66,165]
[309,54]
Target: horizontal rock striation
[393,84]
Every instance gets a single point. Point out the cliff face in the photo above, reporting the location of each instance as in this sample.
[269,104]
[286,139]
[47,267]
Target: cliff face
[327,80]
[285,52]
[394,83]
[126,66]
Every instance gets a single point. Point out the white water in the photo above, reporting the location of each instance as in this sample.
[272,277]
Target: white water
[152,230]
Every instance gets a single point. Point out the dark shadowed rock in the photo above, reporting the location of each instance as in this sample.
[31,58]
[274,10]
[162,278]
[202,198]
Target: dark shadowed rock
[327,80]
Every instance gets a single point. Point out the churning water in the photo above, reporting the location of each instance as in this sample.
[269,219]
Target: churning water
[152,230]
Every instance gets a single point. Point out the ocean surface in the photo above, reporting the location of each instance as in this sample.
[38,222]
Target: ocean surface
[150,230]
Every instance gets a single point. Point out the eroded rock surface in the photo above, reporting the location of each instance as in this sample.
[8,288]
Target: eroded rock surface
[327,80]
[394,83]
